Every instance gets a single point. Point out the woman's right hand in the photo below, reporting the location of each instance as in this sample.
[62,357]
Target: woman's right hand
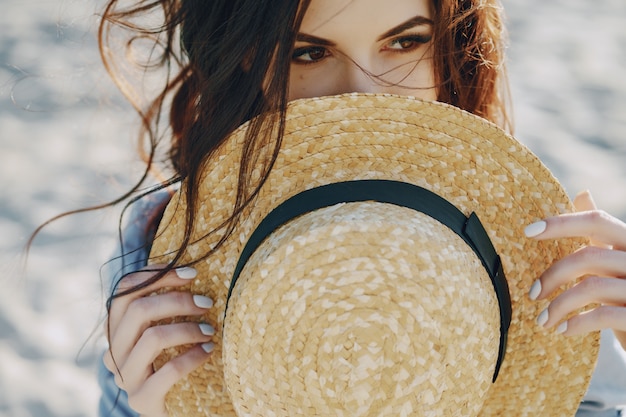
[135,340]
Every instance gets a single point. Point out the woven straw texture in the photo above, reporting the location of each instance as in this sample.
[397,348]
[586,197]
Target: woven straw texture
[384,311]
[464,159]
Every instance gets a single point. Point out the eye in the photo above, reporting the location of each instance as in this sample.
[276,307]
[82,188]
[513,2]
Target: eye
[309,54]
[407,43]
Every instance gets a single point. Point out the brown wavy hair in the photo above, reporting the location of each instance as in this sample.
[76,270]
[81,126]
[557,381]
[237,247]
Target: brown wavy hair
[225,62]
[469,43]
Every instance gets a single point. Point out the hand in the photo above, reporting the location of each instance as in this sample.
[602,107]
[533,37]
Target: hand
[602,264]
[135,341]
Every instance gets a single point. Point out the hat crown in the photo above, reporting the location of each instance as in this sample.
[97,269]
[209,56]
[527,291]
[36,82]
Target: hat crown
[361,309]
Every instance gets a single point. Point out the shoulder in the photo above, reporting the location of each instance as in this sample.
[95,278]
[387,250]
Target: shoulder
[140,222]
[146,212]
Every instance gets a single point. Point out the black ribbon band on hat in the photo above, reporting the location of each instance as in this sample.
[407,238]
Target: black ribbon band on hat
[470,229]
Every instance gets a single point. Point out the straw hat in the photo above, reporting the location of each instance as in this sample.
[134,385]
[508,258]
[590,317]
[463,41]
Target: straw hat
[364,279]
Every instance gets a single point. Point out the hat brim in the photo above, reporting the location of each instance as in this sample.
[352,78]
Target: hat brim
[463,158]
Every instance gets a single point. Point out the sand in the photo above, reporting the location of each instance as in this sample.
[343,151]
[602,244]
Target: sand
[67,139]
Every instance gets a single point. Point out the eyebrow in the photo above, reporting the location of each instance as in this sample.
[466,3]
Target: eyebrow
[303,37]
[409,24]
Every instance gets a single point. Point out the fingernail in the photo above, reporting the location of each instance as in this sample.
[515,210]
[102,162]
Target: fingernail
[208,347]
[542,318]
[186,273]
[202,301]
[562,328]
[207,329]
[535,229]
[535,290]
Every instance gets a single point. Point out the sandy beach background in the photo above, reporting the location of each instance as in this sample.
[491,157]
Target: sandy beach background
[67,137]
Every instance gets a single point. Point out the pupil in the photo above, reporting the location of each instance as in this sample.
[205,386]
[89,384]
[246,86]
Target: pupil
[316,53]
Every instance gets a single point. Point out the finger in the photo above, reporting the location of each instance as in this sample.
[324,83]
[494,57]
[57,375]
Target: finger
[589,291]
[138,366]
[597,225]
[149,399]
[143,312]
[589,260]
[175,278]
[584,202]
[603,317]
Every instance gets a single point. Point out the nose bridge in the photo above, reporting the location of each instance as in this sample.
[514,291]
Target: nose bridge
[357,78]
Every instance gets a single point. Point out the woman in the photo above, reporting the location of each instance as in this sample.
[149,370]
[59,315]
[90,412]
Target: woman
[244,58]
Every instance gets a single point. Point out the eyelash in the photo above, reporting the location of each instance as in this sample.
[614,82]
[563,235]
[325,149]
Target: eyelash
[418,39]
[298,53]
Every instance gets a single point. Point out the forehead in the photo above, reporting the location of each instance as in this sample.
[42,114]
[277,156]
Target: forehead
[336,16]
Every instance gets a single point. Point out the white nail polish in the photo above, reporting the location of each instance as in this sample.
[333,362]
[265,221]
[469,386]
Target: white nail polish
[543,317]
[208,347]
[206,329]
[562,328]
[535,290]
[535,229]
[186,273]
[202,301]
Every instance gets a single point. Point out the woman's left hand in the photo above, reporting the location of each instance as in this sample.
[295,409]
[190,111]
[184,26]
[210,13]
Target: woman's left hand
[602,265]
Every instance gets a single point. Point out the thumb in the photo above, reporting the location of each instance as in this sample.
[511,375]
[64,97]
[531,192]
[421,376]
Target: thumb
[584,202]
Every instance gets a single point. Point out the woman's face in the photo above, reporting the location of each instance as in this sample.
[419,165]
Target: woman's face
[367,46]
